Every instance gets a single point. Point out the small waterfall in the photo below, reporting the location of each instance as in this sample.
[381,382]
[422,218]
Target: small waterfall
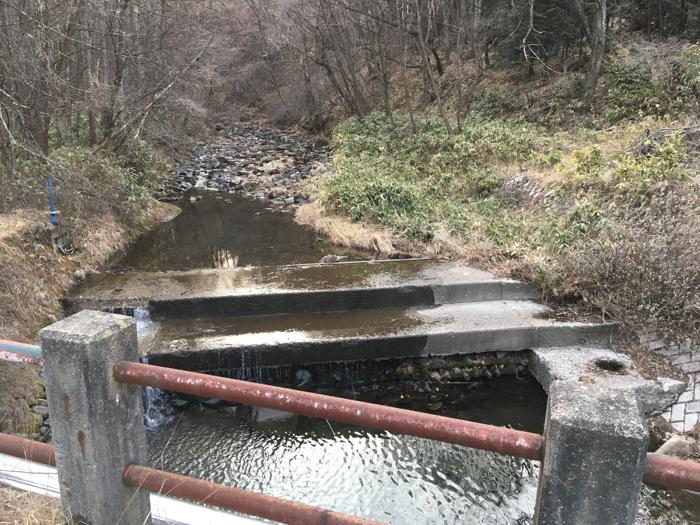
[143,319]
[249,370]
[157,409]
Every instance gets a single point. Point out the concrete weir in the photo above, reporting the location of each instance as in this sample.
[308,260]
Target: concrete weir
[296,315]
[595,435]
[306,288]
[356,335]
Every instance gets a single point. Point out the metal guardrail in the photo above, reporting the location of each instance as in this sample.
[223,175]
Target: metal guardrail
[19,351]
[27,449]
[659,470]
[400,421]
[246,502]
[197,490]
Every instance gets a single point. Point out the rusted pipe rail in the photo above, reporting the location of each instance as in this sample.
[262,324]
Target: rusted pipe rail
[243,501]
[196,490]
[27,449]
[660,470]
[397,420]
[672,473]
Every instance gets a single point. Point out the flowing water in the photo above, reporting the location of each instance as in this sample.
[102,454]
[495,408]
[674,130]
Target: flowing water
[397,479]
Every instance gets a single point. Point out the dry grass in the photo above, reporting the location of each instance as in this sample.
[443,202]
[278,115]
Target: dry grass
[32,281]
[19,382]
[22,508]
[343,232]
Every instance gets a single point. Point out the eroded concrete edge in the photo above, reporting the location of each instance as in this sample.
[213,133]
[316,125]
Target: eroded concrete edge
[605,369]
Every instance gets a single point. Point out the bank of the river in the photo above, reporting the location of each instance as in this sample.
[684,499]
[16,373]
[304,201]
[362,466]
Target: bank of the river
[105,201]
[279,169]
[33,280]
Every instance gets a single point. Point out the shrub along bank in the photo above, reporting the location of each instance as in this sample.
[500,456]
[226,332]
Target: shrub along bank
[105,200]
[600,207]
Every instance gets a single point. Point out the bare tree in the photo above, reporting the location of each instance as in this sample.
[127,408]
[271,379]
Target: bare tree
[596,34]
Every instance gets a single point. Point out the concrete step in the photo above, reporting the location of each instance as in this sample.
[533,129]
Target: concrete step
[295,289]
[225,343]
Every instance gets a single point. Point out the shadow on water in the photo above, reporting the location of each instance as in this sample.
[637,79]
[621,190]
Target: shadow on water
[227,231]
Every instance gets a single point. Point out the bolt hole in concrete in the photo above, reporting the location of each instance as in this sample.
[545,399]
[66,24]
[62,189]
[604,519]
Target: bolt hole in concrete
[610,365]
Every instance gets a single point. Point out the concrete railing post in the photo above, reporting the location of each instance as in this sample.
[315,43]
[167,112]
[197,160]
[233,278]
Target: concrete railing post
[595,452]
[96,423]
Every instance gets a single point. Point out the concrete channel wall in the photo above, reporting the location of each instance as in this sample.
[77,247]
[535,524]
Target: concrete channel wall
[595,434]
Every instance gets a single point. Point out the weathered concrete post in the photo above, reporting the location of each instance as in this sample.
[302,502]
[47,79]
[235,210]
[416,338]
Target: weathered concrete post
[595,452]
[97,423]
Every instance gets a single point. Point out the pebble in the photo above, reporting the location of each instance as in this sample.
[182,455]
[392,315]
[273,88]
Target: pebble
[679,446]
[41,410]
[271,162]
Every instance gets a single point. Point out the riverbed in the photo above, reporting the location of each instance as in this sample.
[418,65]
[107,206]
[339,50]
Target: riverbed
[226,230]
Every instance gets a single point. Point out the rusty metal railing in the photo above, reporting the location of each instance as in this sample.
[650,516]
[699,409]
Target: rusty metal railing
[231,498]
[397,420]
[27,449]
[660,470]
[197,490]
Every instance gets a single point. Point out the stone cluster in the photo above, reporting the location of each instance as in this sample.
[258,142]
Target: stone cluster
[266,164]
[463,368]
[39,419]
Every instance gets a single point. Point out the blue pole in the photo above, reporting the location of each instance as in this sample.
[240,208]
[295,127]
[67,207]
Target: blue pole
[53,216]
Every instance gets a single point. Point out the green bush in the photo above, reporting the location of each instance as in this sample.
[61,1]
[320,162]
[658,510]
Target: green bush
[371,195]
[630,91]
[408,181]
[665,163]
[85,182]
[566,97]
[369,136]
[588,162]
[685,76]
[497,101]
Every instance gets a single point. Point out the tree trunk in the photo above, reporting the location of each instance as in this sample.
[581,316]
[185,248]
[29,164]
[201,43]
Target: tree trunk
[598,43]
[596,34]
[438,62]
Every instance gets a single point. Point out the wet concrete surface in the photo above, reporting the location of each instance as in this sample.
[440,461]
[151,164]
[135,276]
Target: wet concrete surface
[272,279]
[504,326]
[277,329]
[227,231]
[295,288]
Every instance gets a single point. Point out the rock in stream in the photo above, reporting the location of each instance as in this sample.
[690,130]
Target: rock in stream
[265,164]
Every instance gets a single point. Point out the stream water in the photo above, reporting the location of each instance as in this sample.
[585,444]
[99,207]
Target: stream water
[226,231]
[396,479]
[400,480]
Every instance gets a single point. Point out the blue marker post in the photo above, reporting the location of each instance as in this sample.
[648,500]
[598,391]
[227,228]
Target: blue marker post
[53,214]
